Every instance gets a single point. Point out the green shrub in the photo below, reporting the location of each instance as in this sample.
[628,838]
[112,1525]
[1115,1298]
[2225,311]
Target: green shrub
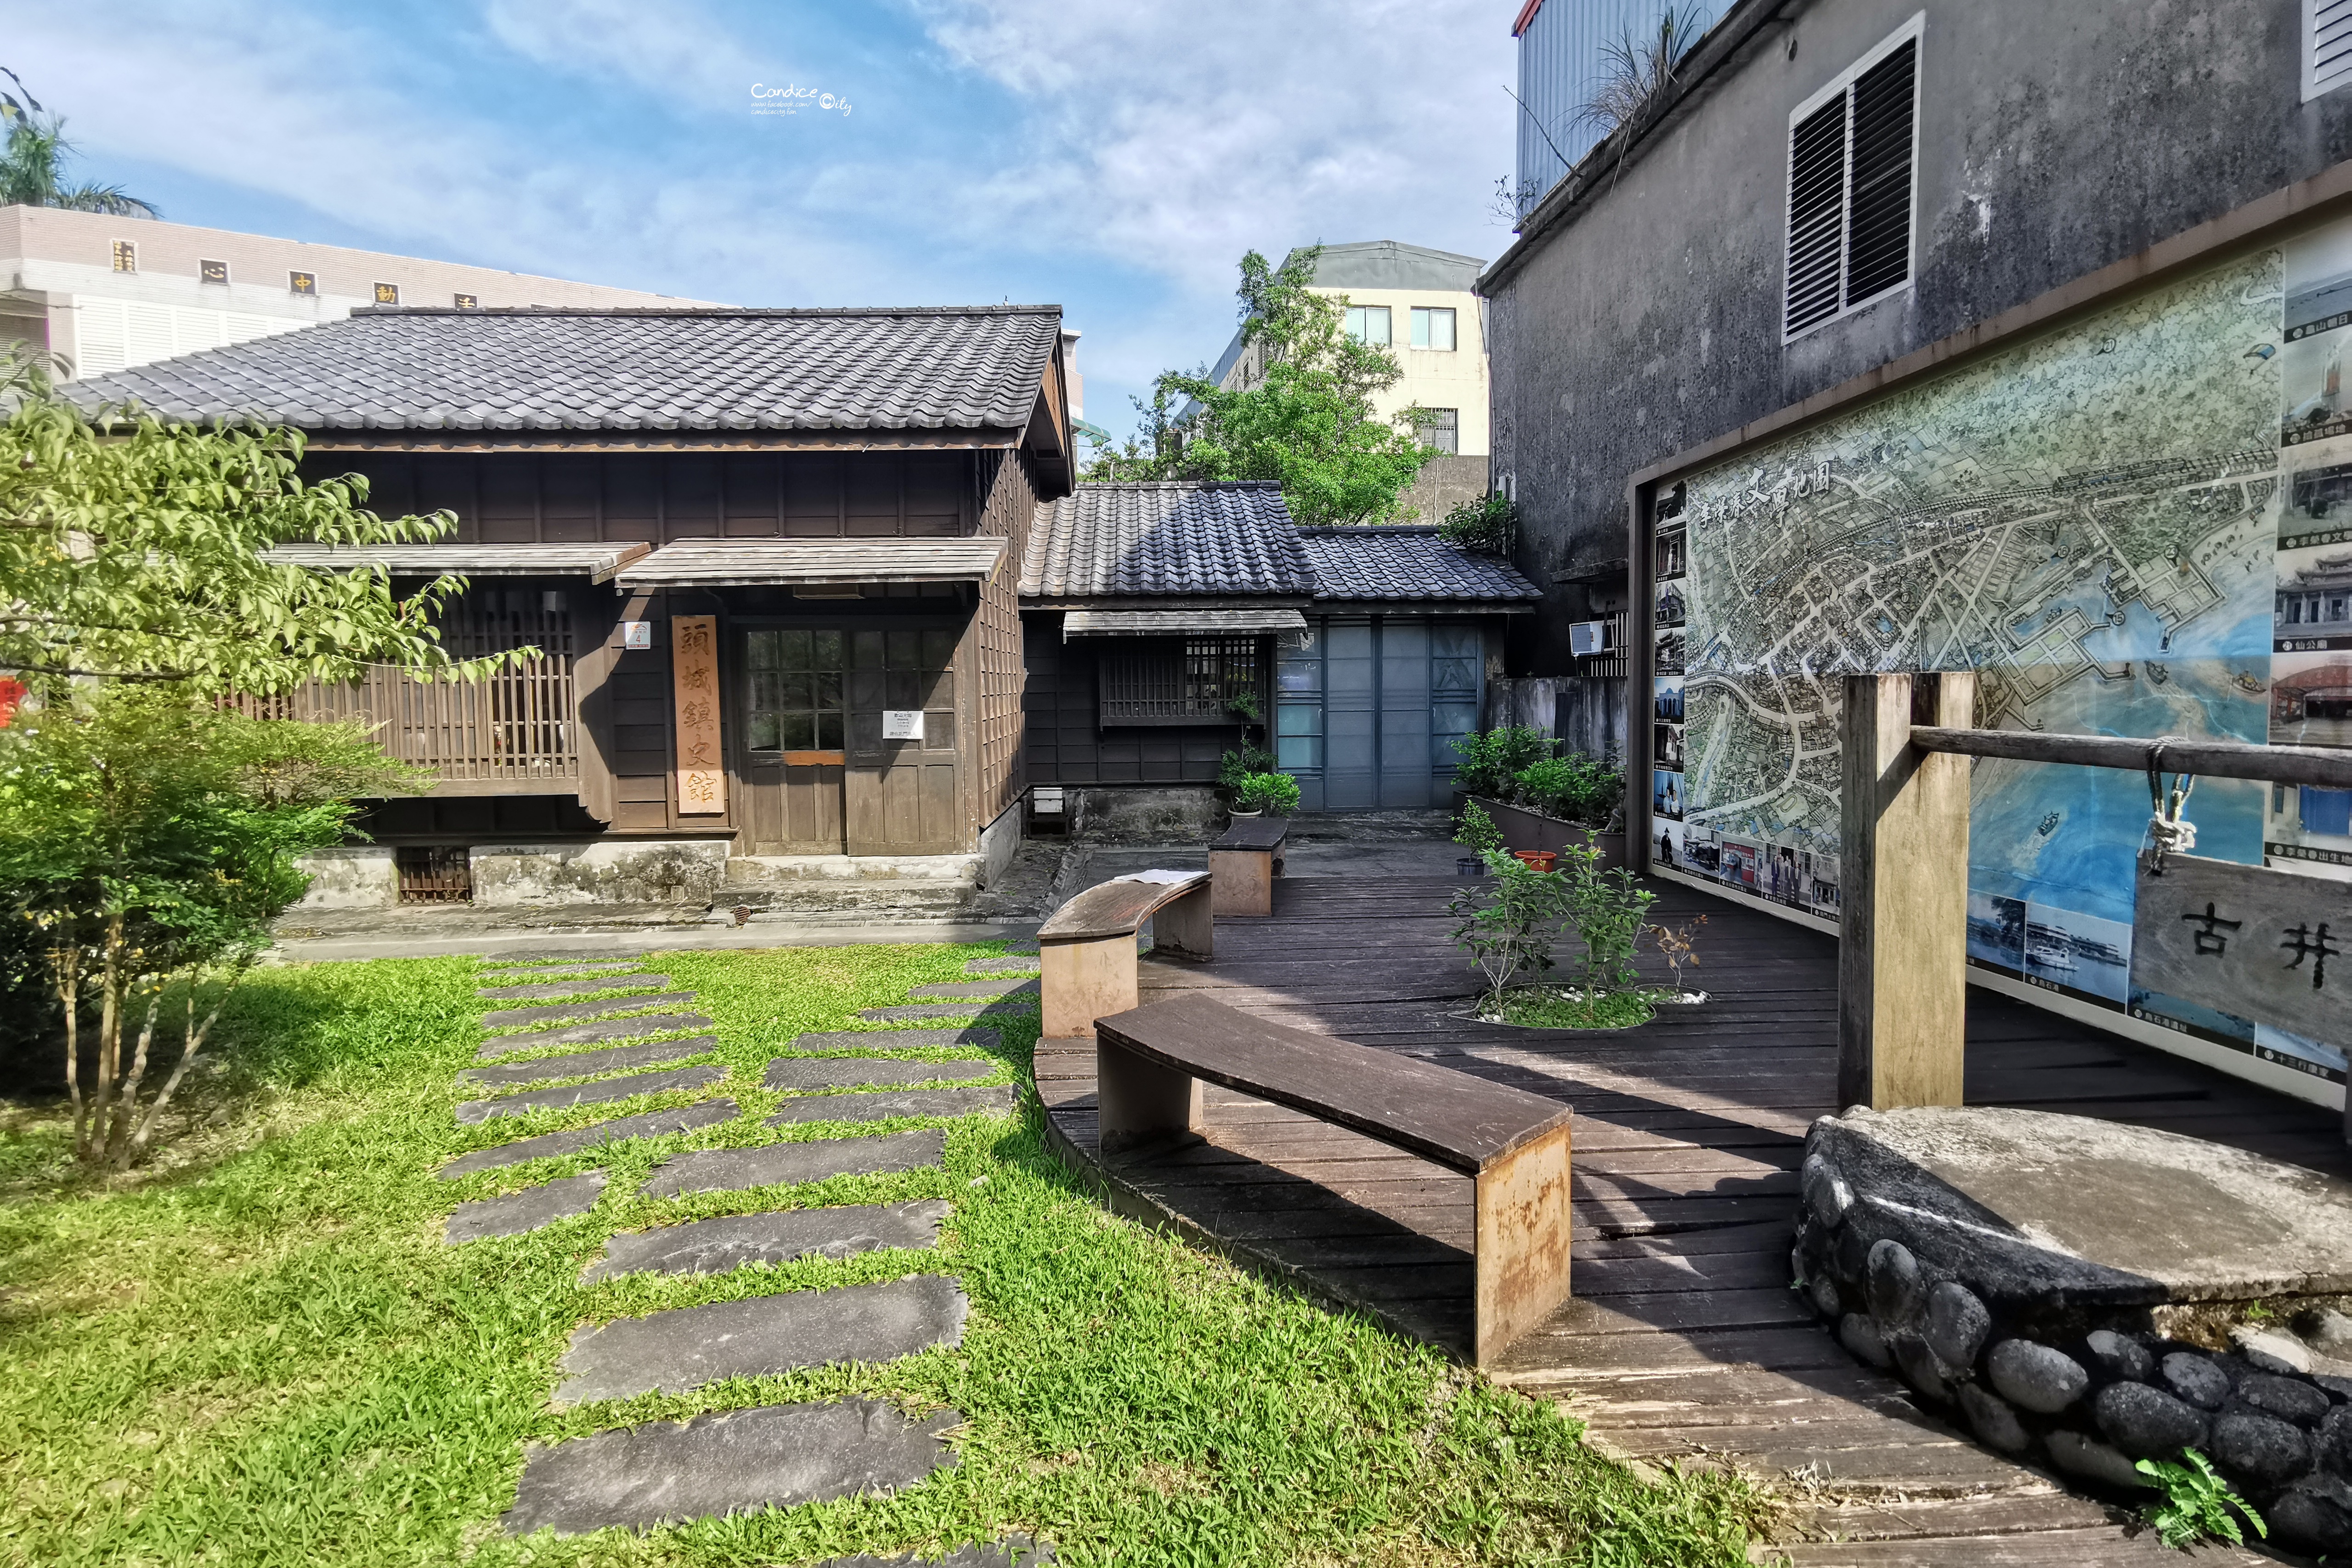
[1240,762]
[1489,525]
[1510,926]
[1274,793]
[1609,910]
[1574,788]
[1476,831]
[1489,760]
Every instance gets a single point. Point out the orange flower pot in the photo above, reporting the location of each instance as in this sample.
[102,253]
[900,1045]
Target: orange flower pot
[1535,859]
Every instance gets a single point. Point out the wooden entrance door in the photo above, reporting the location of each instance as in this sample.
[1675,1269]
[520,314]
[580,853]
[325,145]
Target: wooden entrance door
[794,722]
[905,790]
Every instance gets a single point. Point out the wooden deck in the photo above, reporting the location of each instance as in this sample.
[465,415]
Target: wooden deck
[1683,1339]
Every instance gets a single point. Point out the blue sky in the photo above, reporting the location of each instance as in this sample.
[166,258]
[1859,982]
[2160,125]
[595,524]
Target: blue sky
[1114,159]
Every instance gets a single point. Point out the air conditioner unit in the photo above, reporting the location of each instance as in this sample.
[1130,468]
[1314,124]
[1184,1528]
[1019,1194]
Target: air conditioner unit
[1586,638]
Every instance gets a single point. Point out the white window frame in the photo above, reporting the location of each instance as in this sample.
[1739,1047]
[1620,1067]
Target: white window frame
[2340,79]
[1429,314]
[1388,342]
[1913,30]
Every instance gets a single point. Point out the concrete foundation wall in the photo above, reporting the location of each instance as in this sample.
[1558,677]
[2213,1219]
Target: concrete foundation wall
[1447,483]
[1147,813]
[350,877]
[1000,841]
[643,871]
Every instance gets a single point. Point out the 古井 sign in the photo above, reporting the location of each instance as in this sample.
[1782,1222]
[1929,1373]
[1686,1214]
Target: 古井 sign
[2263,944]
[694,677]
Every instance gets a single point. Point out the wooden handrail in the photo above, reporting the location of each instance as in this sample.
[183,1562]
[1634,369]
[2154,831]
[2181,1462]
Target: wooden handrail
[2321,767]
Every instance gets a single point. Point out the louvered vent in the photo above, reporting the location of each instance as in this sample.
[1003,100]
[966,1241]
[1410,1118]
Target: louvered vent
[1849,188]
[2327,46]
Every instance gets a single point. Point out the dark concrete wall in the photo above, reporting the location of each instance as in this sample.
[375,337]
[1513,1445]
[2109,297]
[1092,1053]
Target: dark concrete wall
[2053,139]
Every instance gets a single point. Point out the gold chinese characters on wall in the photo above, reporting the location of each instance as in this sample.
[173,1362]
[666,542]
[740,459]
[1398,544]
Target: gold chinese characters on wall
[694,673]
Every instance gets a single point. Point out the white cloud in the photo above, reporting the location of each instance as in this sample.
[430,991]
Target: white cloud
[673,48]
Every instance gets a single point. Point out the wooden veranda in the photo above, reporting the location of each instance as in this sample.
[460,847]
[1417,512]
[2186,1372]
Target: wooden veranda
[1683,1339]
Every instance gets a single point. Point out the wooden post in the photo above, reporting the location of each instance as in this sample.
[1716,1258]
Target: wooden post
[1138,1102]
[1081,981]
[1521,1253]
[1903,883]
[1243,880]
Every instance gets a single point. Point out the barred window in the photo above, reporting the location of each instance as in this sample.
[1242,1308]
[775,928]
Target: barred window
[1197,681]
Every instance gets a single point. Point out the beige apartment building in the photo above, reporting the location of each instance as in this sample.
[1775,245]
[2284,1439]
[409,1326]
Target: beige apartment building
[105,293]
[1417,303]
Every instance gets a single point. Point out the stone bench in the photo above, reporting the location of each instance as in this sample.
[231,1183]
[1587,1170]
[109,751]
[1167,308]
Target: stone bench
[1150,1064]
[1085,953]
[1243,861]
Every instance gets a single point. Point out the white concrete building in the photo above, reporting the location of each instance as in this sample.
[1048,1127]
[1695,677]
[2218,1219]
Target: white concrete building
[103,293]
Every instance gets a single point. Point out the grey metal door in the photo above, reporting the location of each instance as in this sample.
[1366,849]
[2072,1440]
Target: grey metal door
[1404,714]
[1352,714]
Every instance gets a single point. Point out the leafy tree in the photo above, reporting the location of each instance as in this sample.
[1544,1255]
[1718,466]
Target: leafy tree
[149,837]
[132,550]
[1307,422]
[32,162]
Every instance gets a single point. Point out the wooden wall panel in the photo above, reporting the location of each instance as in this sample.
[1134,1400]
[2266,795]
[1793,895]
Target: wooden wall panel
[1008,495]
[571,497]
[751,483]
[690,495]
[509,504]
[870,500]
[812,491]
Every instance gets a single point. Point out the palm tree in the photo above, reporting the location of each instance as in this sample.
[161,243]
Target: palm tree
[32,162]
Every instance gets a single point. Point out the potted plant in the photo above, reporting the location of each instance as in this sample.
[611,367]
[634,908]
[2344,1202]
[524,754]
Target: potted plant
[1475,831]
[1259,793]
[1542,800]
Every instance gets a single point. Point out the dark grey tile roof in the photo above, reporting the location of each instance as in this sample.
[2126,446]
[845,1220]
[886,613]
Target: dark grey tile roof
[1387,562]
[1166,538]
[553,370]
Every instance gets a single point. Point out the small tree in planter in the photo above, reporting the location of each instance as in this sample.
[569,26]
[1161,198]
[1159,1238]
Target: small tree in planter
[1509,928]
[1260,795]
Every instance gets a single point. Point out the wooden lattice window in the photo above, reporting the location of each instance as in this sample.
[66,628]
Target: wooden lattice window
[796,703]
[434,874]
[1197,681]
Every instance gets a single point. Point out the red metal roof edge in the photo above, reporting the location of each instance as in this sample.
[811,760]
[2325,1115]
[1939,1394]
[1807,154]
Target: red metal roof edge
[1527,14]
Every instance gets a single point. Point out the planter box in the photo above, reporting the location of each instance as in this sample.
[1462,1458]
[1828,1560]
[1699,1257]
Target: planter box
[1524,829]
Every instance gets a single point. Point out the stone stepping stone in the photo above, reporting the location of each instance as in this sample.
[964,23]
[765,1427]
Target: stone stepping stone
[580,1064]
[1002,966]
[596,1093]
[806,1073]
[728,1462]
[718,1245]
[972,988]
[925,1010]
[864,1040]
[526,1210]
[553,971]
[776,1164]
[996,1100]
[553,989]
[549,1145]
[566,1012]
[1012,1552]
[681,1349]
[588,1034]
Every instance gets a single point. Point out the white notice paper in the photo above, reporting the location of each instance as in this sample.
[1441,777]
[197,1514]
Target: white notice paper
[902,723]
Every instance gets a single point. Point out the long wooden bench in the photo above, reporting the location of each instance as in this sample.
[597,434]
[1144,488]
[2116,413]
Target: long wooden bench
[1085,951]
[1150,1064]
[1243,861]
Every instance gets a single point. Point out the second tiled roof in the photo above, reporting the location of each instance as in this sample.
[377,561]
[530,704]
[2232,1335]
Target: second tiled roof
[1172,537]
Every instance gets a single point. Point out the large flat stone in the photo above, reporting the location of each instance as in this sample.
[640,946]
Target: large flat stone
[893,1039]
[969,989]
[994,1099]
[596,1093]
[777,1236]
[551,1145]
[526,1210]
[1012,1552]
[852,1072]
[1002,966]
[580,1064]
[555,988]
[729,1462]
[673,1351]
[923,1010]
[627,1028]
[776,1164]
[553,969]
[567,1012]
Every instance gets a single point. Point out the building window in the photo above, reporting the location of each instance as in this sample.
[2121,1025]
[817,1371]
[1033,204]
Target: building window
[467,302]
[213,272]
[2327,46]
[387,293]
[1851,168]
[1298,705]
[304,283]
[1441,429]
[1369,324]
[1197,681]
[794,690]
[126,256]
[1433,326]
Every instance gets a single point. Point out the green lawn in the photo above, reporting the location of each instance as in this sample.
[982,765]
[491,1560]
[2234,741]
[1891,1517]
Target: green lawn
[262,1354]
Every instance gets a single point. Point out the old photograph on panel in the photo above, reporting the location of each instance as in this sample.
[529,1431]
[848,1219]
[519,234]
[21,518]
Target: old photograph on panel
[1668,707]
[1667,745]
[1667,794]
[2080,952]
[1997,931]
[2311,699]
[2312,612]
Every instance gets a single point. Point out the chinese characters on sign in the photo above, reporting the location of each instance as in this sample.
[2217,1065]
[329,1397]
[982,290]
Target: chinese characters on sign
[902,724]
[694,674]
[2245,940]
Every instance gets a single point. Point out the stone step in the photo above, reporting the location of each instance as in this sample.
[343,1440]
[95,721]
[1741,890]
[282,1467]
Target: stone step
[825,1041]
[527,1210]
[628,1028]
[638,980]
[1015,965]
[777,1164]
[728,1462]
[969,989]
[553,969]
[682,1350]
[596,1093]
[566,1012]
[806,1073]
[938,1010]
[550,1145]
[992,1100]
[580,1064]
[1009,1551]
[777,1236]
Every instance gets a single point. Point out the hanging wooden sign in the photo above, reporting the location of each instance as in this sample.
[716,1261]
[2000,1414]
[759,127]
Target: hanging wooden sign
[2267,945]
[694,677]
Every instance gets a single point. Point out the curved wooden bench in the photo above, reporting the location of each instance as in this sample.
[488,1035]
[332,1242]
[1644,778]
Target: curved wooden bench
[1243,861]
[1150,1064]
[1085,953]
